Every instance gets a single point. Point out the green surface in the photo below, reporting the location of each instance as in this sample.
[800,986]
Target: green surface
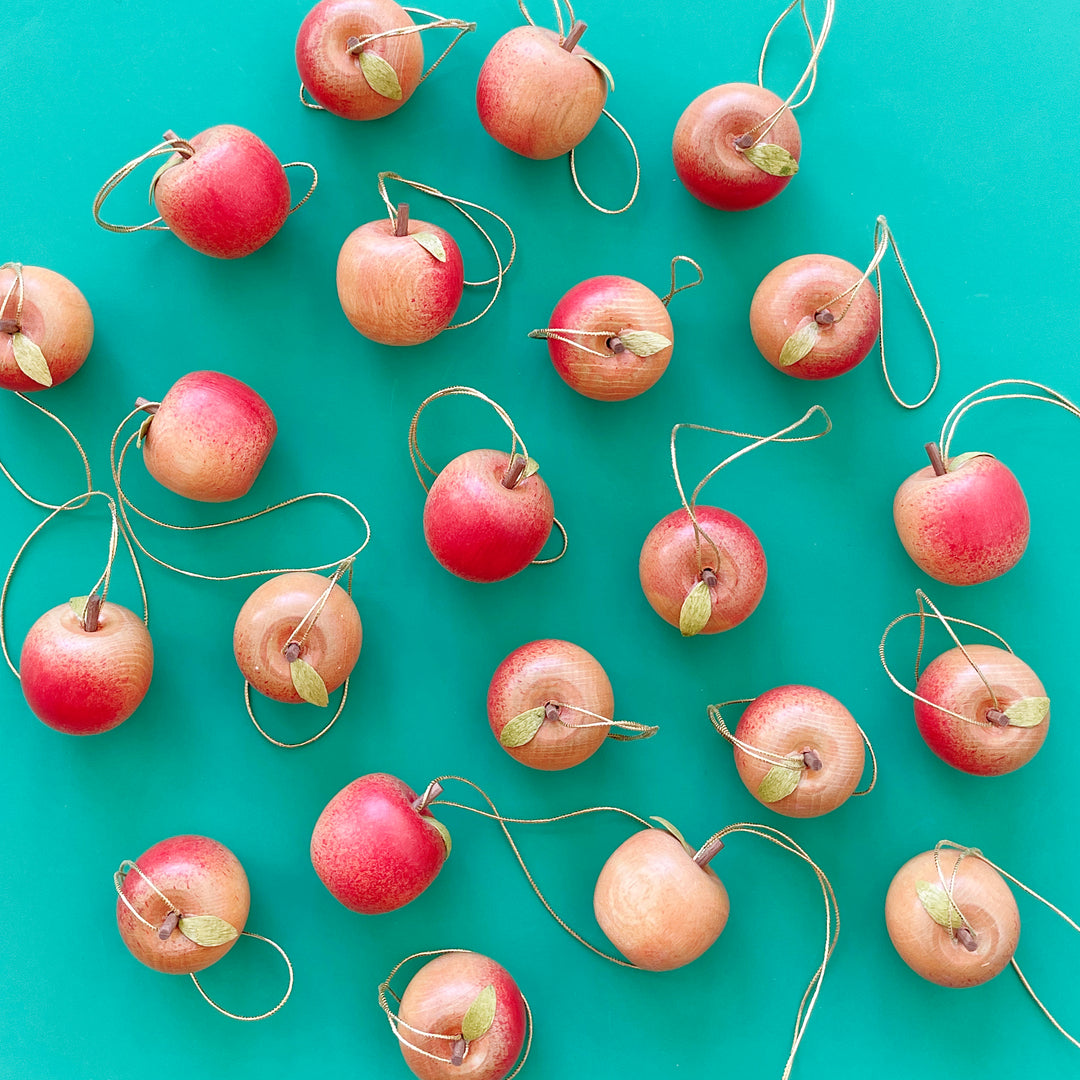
[952,119]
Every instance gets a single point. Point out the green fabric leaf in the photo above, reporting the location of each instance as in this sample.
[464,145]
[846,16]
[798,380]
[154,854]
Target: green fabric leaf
[523,728]
[30,359]
[1028,712]
[938,905]
[696,610]
[308,683]
[800,343]
[480,1015]
[643,342]
[773,159]
[207,930]
[779,782]
[380,76]
[431,244]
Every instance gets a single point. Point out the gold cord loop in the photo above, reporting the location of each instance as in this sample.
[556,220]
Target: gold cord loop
[637,173]
[665,300]
[166,146]
[314,180]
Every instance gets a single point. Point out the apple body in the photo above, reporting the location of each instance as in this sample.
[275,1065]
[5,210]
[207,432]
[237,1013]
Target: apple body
[200,877]
[791,720]
[332,75]
[372,849]
[551,671]
[480,530]
[609,303]
[985,900]
[228,199]
[266,623]
[209,438]
[393,290]
[668,566]
[536,98]
[789,297]
[969,525]
[85,683]
[55,317]
[951,682]
[711,166]
[436,1000]
[658,907]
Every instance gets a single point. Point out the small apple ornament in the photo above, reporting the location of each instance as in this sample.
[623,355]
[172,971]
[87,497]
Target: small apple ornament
[208,438]
[627,321]
[400,281]
[737,145]
[797,750]
[181,907]
[550,705]
[487,513]
[362,59]
[46,328]
[980,708]
[376,845]
[224,193]
[954,920]
[540,94]
[964,519]
[462,1014]
[702,569]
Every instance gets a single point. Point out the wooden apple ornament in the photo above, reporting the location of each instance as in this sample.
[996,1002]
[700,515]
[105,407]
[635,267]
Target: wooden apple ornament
[487,513]
[702,569]
[181,907]
[980,708]
[550,705]
[400,281]
[797,750]
[737,145]
[377,846]
[362,59]
[611,337]
[964,519]
[462,1015]
[224,193]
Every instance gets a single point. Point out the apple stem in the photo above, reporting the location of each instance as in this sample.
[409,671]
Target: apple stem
[551,712]
[457,1051]
[708,575]
[514,471]
[703,857]
[147,405]
[434,790]
[171,136]
[401,227]
[745,141]
[168,925]
[292,651]
[812,759]
[92,615]
[824,317]
[935,459]
[967,939]
[574,36]
[615,344]
[9,326]
[997,717]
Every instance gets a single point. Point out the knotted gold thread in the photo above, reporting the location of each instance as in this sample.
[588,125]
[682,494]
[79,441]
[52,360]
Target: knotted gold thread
[418,459]
[118,881]
[640,731]
[949,887]
[948,428]
[665,300]
[102,583]
[117,465]
[395,1020]
[767,757]
[757,440]
[459,205]
[946,621]
[303,628]
[439,22]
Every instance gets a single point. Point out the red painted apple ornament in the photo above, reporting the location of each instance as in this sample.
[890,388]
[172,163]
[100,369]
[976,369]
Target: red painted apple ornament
[533,702]
[376,845]
[85,673]
[208,438]
[46,328]
[466,1011]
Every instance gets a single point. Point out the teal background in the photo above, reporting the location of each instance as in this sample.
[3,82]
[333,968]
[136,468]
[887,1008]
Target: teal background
[956,121]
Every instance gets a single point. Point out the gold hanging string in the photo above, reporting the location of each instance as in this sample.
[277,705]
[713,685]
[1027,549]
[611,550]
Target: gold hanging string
[768,122]
[558,16]
[101,586]
[665,300]
[873,765]
[314,181]
[637,172]
[638,731]
[768,38]
[309,104]
[118,881]
[494,815]
[947,622]
[170,144]
[976,853]
[1048,395]
[396,1022]
[459,205]
[780,436]
[809,999]
[117,465]
[303,628]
